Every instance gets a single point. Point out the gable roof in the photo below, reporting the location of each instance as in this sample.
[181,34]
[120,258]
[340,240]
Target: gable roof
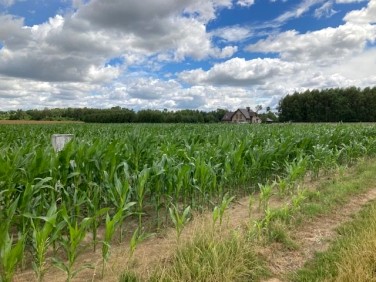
[228,116]
[247,113]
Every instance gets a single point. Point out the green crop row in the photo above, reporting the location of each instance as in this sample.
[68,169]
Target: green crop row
[109,173]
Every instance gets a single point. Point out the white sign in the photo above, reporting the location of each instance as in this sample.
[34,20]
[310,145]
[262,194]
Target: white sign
[59,141]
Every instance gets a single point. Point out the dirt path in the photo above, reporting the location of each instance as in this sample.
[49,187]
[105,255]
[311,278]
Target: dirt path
[314,236]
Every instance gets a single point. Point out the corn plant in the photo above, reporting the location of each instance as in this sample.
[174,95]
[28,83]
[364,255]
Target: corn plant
[265,195]
[137,237]
[179,219]
[282,185]
[94,210]
[11,253]
[71,244]
[110,228]
[120,195]
[298,199]
[219,211]
[140,191]
[296,169]
[44,232]
[262,225]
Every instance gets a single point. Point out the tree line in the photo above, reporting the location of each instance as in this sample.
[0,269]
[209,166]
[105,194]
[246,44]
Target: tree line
[116,115]
[329,105]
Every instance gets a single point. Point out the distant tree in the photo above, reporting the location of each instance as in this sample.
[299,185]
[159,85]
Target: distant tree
[329,105]
[120,115]
[19,115]
[258,108]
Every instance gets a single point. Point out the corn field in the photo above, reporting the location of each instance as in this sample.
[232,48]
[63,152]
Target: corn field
[109,175]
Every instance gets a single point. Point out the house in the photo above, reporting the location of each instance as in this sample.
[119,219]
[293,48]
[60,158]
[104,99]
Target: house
[242,116]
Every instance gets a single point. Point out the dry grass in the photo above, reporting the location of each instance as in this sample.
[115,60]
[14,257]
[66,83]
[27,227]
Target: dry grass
[358,261]
[215,255]
[351,257]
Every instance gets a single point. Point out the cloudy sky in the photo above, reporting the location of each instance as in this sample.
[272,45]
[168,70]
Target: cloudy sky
[180,54]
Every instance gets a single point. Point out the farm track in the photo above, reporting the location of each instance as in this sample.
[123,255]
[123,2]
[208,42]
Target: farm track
[311,237]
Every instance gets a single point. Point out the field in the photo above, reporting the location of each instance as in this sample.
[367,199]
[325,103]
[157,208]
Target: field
[36,122]
[116,180]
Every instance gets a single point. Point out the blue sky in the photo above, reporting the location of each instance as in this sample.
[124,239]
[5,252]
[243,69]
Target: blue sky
[197,54]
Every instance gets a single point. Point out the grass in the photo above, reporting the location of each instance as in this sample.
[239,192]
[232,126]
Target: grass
[337,190]
[212,257]
[352,257]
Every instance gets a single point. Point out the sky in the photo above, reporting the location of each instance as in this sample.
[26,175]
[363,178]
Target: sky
[181,54]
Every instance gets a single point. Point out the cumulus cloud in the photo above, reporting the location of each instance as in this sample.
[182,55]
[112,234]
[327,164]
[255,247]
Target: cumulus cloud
[323,46]
[46,53]
[18,93]
[240,72]
[350,68]
[77,46]
[206,10]
[174,96]
[69,60]
[12,32]
[363,16]
[151,89]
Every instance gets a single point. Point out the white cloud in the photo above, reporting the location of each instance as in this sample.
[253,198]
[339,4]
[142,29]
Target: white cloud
[205,10]
[7,3]
[245,3]
[363,16]
[240,72]
[350,68]
[171,95]
[64,61]
[349,1]
[323,46]
[77,46]
[298,11]
[232,34]
[12,32]
[326,10]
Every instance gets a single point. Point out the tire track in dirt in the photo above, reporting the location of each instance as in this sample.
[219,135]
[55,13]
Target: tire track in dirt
[314,236]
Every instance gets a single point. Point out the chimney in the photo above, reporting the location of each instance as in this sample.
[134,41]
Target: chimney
[248,109]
